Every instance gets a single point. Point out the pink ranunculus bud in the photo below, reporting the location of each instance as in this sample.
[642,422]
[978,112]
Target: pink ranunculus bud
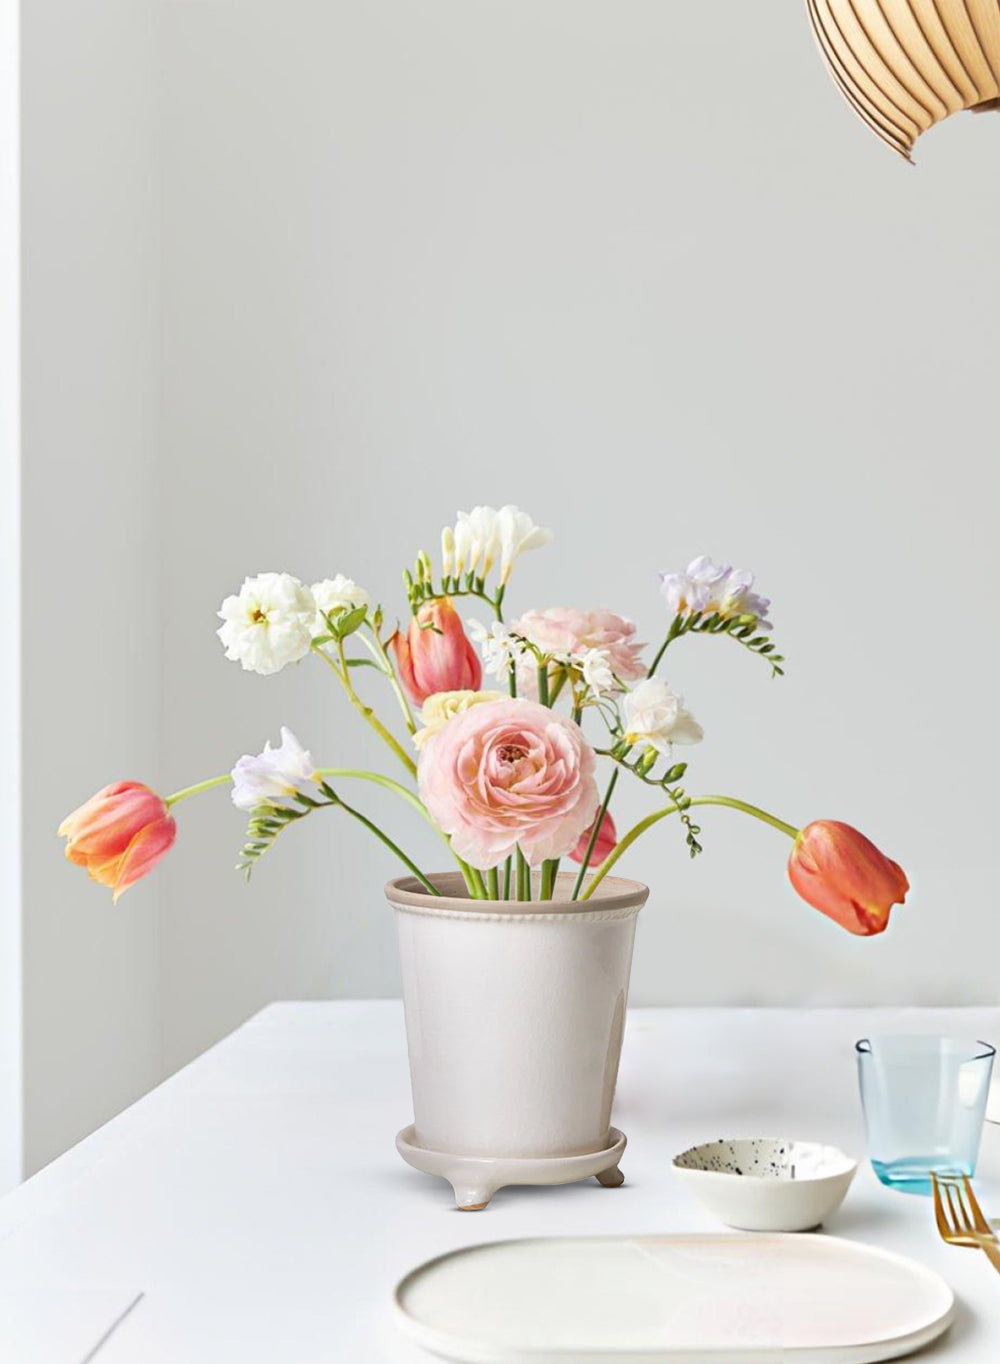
[119,835]
[841,873]
[605,843]
[435,654]
[507,775]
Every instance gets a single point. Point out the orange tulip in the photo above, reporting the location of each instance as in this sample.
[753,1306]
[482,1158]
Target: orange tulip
[606,842]
[435,654]
[841,873]
[119,835]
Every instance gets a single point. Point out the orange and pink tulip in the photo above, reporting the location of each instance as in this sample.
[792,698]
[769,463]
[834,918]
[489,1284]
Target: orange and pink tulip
[841,873]
[120,834]
[435,654]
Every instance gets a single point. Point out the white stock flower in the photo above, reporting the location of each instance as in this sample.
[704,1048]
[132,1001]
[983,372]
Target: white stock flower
[438,709]
[268,623]
[336,594]
[655,715]
[272,776]
[499,648]
[708,587]
[595,666]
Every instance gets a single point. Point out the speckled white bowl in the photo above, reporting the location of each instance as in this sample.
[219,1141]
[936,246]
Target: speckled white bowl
[767,1183]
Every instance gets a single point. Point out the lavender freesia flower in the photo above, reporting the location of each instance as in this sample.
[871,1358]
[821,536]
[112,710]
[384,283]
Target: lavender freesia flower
[705,586]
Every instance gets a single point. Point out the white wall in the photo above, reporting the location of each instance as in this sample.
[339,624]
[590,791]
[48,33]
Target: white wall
[11,1117]
[91,635]
[637,268]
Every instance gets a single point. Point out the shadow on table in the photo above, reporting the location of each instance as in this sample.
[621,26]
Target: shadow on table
[964,1328]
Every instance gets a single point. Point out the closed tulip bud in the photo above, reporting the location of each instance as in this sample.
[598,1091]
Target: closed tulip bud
[119,835]
[435,654]
[605,843]
[841,873]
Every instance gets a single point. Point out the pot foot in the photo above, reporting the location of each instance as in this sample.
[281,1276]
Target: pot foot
[475,1179]
[610,1179]
[472,1197]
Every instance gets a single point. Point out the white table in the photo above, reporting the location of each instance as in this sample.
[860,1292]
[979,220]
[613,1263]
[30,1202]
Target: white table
[256,1201]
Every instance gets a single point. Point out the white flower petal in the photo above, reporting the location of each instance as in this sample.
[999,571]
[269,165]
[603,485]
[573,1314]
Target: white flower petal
[270,777]
[268,623]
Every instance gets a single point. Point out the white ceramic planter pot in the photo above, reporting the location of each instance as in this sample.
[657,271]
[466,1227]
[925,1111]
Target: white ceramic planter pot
[514,1021]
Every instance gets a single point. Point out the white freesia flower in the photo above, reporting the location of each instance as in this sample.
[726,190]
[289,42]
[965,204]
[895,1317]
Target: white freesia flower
[499,648]
[268,623]
[708,587]
[476,541]
[655,715]
[595,667]
[336,594]
[447,552]
[438,709]
[272,776]
[517,532]
[484,535]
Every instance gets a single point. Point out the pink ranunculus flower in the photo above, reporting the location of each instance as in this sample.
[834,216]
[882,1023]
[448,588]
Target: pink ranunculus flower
[604,844]
[509,774]
[562,630]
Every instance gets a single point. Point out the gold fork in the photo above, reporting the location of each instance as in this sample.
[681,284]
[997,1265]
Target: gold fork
[960,1219]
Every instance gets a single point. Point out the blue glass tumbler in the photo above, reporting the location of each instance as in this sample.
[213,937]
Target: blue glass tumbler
[924,1100]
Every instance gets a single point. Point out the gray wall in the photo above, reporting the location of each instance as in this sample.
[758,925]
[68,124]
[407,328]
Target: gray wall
[635,267]
[90,640]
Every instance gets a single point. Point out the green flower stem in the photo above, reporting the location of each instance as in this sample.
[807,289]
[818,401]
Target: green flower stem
[480,892]
[474,886]
[560,681]
[578,885]
[378,649]
[187,791]
[523,877]
[493,883]
[342,673]
[676,628]
[549,870]
[358,773]
[543,684]
[467,872]
[638,829]
[508,867]
[393,847]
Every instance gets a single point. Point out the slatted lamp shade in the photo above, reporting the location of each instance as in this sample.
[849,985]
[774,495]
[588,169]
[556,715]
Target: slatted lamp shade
[904,65]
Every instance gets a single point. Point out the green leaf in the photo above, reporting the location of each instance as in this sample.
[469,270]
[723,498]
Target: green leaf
[350,621]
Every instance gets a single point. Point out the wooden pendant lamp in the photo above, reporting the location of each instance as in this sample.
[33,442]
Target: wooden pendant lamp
[904,65]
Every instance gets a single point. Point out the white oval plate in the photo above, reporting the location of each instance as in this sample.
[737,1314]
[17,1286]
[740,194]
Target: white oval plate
[677,1299]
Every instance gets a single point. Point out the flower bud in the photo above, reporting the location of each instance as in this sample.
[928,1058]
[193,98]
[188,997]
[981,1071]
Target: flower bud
[119,835]
[435,654]
[605,843]
[841,873]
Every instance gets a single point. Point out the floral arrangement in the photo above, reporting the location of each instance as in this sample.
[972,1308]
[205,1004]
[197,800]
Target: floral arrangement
[507,776]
